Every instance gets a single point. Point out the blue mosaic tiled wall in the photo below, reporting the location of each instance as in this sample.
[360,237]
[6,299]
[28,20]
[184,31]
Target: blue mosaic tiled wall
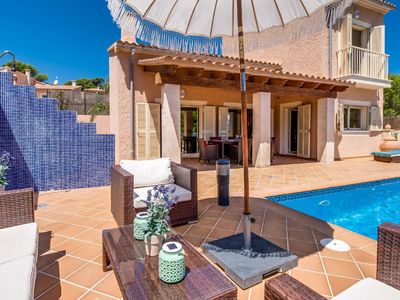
[50,149]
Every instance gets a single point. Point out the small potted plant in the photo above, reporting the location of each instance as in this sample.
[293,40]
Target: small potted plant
[159,202]
[5,159]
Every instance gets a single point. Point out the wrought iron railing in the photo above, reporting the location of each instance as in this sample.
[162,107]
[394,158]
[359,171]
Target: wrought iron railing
[359,61]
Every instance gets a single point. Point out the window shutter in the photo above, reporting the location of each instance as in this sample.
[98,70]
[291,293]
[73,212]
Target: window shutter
[375,119]
[340,118]
[147,131]
[377,39]
[223,121]
[154,131]
[209,122]
[346,31]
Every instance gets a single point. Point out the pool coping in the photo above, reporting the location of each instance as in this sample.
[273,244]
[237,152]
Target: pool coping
[328,190]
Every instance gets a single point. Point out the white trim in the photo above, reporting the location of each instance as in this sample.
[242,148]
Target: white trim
[355,102]
[191,103]
[283,134]
[237,105]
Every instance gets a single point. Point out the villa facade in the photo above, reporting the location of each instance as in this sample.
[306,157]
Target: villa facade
[161,101]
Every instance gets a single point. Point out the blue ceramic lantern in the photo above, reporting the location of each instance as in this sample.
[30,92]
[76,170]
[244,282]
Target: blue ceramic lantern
[171,263]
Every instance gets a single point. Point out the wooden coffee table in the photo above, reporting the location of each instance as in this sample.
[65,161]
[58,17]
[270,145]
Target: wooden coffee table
[137,274]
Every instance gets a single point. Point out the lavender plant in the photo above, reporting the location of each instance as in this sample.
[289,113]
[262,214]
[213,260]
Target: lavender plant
[159,202]
[5,162]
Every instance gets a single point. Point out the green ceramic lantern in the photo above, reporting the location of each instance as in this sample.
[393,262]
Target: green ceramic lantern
[171,263]
[140,225]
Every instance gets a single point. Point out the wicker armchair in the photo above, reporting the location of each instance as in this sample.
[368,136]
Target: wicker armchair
[285,287]
[17,207]
[208,152]
[122,188]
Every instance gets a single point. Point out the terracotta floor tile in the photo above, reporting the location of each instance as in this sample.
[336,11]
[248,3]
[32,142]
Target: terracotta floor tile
[207,222]
[88,252]
[221,233]
[325,252]
[341,268]
[109,286]
[69,246]
[277,232]
[50,240]
[71,230]
[214,214]
[301,235]
[302,247]
[196,241]
[89,235]
[198,230]
[43,283]
[47,258]
[311,263]
[64,291]
[95,296]
[64,267]
[368,270]
[363,257]
[339,284]
[87,276]
[315,281]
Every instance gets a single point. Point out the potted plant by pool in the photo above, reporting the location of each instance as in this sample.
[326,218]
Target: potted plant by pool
[5,159]
[159,202]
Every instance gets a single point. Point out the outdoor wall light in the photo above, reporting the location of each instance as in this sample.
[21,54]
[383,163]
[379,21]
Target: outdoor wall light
[182,94]
[13,69]
[357,14]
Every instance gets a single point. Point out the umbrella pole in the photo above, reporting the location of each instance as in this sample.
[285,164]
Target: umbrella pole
[243,94]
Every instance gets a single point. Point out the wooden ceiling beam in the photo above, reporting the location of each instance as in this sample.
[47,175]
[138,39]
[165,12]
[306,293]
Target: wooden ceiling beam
[277,81]
[295,83]
[171,70]
[234,85]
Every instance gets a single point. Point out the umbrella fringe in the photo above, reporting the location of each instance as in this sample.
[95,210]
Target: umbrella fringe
[149,33]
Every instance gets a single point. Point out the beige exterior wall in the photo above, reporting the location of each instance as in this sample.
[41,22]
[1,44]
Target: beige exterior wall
[353,144]
[102,123]
[120,104]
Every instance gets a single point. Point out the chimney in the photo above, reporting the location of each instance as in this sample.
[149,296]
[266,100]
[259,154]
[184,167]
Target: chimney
[73,82]
[28,76]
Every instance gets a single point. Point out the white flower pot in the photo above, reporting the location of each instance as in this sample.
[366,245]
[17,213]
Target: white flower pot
[153,244]
[2,188]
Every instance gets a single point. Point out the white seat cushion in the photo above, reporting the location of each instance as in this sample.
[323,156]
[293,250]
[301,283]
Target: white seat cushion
[149,172]
[18,241]
[140,194]
[369,289]
[17,278]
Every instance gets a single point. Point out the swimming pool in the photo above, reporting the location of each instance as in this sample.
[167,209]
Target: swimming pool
[359,208]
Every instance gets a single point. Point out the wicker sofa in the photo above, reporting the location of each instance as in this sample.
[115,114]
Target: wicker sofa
[123,195]
[18,244]
[387,285]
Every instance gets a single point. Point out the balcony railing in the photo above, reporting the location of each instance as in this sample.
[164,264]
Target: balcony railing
[363,62]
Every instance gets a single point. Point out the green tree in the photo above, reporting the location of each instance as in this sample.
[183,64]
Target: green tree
[21,67]
[392,98]
[89,83]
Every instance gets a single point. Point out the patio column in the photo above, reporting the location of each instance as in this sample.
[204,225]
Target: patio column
[326,130]
[261,129]
[170,120]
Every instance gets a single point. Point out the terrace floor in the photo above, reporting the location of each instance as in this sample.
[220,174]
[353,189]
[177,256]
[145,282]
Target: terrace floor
[70,222]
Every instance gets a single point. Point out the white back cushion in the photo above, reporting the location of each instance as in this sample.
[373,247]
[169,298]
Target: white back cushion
[149,172]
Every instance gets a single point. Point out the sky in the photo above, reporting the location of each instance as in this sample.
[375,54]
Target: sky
[69,38]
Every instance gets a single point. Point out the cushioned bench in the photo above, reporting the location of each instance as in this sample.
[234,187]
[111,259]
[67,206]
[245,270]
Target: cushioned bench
[389,156]
[132,179]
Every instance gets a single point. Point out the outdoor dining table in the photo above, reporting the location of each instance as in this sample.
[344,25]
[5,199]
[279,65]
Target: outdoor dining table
[222,144]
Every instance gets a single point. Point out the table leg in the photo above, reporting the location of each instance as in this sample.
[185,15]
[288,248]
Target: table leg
[106,261]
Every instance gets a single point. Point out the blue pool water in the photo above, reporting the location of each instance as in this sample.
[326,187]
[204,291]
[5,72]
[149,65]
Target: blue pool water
[359,208]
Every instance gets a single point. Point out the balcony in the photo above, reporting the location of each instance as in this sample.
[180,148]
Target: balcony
[369,69]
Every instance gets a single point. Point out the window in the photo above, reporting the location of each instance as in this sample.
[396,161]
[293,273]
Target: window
[355,117]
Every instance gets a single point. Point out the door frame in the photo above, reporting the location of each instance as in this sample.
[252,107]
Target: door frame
[284,126]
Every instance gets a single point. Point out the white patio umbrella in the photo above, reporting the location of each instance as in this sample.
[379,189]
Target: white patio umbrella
[199,25]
